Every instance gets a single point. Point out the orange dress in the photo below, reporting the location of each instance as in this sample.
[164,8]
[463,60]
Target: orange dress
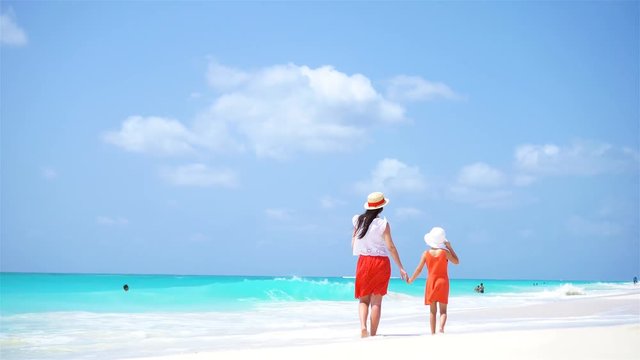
[437,288]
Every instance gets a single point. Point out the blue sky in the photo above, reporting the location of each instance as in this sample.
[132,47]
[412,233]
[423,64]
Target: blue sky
[240,138]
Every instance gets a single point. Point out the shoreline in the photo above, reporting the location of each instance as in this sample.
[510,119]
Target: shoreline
[253,327]
[599,327]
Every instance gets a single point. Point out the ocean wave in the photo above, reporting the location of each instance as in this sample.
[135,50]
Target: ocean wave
[570,290]
[291,278]
[555,292]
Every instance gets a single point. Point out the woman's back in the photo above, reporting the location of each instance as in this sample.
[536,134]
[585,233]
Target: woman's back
[372,243]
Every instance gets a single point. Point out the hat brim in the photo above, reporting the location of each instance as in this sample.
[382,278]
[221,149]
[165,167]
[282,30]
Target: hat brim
[367,207]
[434,243]
[437,246]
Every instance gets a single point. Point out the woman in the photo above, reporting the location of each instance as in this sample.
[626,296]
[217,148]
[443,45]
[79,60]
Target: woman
[371,242]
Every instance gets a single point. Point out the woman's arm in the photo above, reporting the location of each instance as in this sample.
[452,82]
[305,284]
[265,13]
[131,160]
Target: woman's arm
[353,238]
[416,273]
[394,252]
[451,255]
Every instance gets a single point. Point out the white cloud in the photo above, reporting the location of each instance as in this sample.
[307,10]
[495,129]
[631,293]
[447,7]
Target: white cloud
[199,175]
[483,198]
[481,185]
[49,173]
[579,158]
[526,233]
[10,32]
[415,88]
[484,186]
[329,202]
[153,135]
[199,238]
[405,213]
[278,214]
[523,180]
[111,221]
[393,175]
[580,226]
[480,175]
[282,109]
[222,77]
[275,111]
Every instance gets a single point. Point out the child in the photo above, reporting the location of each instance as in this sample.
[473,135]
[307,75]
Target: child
[437,289]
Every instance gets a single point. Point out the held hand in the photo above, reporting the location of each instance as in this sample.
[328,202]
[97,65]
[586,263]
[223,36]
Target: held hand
[403,275]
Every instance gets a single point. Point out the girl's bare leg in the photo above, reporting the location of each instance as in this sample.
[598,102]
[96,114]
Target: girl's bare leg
[443,316]
[432,317]
[376,311]
[363,310]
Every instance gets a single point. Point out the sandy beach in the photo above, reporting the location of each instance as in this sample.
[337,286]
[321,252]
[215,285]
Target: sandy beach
[617,342]
[604,327]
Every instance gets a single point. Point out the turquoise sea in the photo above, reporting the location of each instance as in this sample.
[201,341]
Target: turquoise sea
[90,316]
[32,293]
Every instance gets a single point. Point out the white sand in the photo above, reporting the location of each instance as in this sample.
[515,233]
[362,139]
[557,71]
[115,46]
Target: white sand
[556,330]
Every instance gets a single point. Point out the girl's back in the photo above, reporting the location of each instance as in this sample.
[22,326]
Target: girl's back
[436,260]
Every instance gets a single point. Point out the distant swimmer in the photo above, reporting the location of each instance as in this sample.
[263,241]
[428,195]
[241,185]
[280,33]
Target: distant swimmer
[635,280]
[126,287]
[480,288]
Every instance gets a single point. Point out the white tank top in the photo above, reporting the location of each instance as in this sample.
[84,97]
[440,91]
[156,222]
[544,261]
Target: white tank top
[372,243]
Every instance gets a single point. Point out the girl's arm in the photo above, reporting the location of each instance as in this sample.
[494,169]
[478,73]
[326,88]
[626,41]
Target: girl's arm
[394,252]
[451,255]
[416,273]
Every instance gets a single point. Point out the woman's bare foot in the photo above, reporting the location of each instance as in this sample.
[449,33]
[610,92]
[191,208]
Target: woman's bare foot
[364,333]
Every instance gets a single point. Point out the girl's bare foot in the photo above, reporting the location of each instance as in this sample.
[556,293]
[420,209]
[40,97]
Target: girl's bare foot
[364,333]
[441,331]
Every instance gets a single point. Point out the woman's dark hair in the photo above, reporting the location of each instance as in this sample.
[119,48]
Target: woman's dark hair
[364,220]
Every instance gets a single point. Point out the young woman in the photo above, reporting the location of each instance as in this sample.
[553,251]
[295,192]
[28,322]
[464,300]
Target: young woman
[372,243]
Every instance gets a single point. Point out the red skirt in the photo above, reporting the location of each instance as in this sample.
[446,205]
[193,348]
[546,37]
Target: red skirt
[372,275]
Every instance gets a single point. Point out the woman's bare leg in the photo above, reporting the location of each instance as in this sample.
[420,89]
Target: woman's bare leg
[443,316]
[376,311]
[432,317]
[363,310]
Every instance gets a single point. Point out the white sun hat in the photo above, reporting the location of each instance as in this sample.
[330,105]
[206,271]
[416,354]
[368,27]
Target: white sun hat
[375,200]
[436,238]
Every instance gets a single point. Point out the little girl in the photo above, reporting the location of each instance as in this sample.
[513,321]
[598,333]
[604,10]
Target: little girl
[437,288]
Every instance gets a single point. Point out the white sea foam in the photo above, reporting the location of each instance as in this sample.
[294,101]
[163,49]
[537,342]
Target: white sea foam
[89,335]
[571,290]
[86,335]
